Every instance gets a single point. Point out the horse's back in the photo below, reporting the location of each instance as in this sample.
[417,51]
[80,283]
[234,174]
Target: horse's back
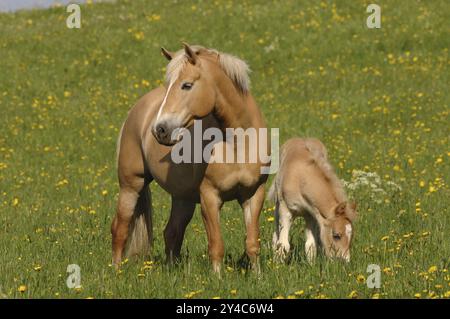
[300,177]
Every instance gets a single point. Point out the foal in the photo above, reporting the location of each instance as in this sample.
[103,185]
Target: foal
[306,186]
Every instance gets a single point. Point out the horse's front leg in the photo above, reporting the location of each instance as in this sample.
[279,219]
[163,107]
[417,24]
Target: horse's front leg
[180,216]
[252,209]
[210,206]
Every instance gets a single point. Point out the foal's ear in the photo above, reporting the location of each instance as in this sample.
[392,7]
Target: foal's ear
[352,214]
[340,209]
[167,54]
[192,57]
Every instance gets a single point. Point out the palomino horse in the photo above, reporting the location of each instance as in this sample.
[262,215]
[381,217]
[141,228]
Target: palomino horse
[202,84]
[307,186]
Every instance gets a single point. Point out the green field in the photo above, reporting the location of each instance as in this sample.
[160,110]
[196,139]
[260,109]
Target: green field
[378,98]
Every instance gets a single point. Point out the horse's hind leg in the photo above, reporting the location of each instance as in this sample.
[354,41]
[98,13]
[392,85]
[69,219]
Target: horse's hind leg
[180,216]
[132,227]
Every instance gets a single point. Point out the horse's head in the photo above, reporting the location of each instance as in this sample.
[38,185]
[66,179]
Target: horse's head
[190,95]
[193,76]
[337,233]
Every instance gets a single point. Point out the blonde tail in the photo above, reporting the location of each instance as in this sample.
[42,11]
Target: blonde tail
[141,227]
[272,193]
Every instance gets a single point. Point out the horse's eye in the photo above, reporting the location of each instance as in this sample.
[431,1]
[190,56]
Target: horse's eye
[336,236]
[187,86]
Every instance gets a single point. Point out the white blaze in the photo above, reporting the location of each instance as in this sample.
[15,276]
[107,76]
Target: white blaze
[348,231]
[165,99]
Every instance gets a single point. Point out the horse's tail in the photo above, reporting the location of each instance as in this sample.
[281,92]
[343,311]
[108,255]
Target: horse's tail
[140,235]
[272,194]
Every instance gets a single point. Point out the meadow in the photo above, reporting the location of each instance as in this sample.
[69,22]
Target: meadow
[378,98]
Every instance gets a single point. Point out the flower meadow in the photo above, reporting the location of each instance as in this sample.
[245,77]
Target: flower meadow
[378,99]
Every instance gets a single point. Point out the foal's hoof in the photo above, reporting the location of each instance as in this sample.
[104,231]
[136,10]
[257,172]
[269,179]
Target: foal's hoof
[217,269]
[256,268]
[280,256]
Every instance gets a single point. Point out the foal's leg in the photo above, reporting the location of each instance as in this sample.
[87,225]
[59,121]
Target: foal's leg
[128,198]
[285,222]
[311,237]
[252,209]
[180,216]
[210,205]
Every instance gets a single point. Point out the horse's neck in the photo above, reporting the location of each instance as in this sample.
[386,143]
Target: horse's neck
[231,112]
[235,109]
[325,206]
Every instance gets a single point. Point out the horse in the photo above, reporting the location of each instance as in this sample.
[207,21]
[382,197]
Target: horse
[307,186]
[201,85]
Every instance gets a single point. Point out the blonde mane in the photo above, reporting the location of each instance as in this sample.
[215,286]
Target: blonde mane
[320,157]
[236,69]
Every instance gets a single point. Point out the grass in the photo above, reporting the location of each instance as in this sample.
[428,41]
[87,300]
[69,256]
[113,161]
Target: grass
[377,98]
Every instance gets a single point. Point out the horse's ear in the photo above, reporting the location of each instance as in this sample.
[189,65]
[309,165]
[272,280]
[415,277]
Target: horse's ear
[166,53]
[340,209]
[192,57]
[352,214]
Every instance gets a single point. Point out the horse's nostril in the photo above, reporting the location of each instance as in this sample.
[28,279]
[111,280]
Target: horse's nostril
[160,129]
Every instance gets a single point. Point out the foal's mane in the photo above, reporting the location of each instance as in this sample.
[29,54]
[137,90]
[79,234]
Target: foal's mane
[320,158]
[236,69]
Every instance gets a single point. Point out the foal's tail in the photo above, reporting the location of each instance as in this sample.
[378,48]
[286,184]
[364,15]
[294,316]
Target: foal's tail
[272,194]
[140,235]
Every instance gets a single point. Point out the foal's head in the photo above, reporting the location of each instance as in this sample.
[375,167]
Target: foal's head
[337,231]
[191,88]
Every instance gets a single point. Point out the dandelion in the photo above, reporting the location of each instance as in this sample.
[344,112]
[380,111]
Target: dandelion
[353,294]
[15,202]
[387,270]
[270,219]
[22,288]
[139,35]
[233,291]
[361,279]
[104,192]
[191,294]
[417,295]
[299,292]
[432,269]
